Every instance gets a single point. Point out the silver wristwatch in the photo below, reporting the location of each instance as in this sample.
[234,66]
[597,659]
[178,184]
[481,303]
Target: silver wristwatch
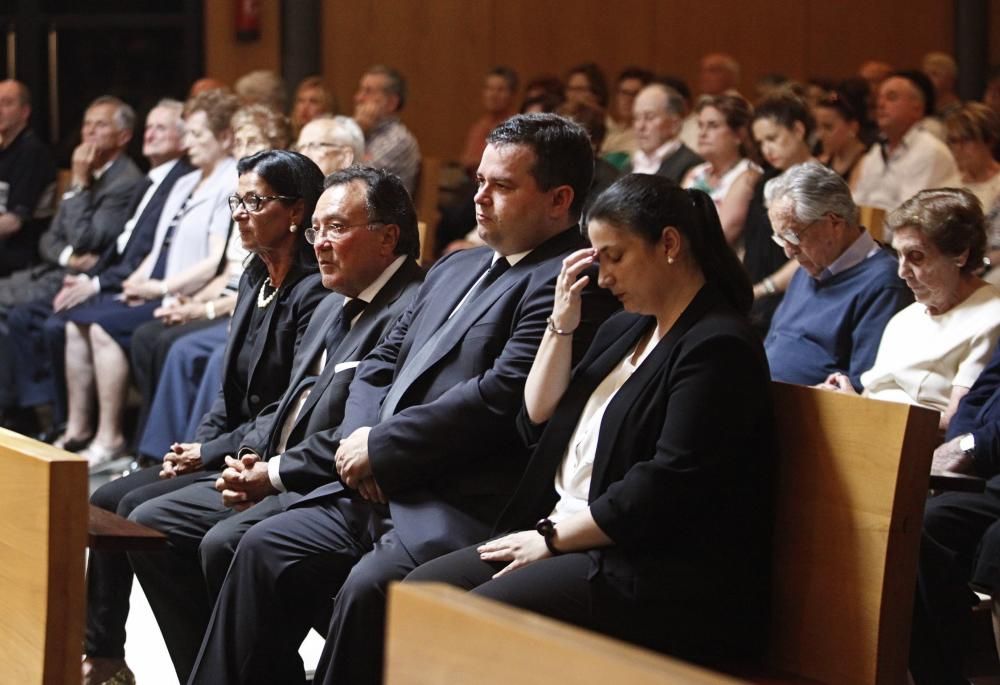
[967,443]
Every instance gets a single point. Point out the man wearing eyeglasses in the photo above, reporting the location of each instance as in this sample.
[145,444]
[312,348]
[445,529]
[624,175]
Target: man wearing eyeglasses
[364,233]
[845,290]
[332,143]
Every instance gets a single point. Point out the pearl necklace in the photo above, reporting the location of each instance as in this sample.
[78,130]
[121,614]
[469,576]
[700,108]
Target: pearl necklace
[262,300]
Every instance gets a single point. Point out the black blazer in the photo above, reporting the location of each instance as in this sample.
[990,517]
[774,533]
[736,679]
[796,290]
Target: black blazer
[114,267]
[449,457]
[676,165]
[284,324]
[681,477]
[307,461]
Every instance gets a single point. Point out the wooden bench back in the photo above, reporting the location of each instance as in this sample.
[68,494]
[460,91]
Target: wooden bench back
[873,219]
[43,535]
[439,635]
[853,476]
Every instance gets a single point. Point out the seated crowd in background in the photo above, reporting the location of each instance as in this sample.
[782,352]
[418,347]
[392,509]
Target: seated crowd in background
[314,421]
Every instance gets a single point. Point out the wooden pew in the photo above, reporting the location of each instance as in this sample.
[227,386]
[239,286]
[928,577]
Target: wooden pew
[852,480]
[873,219]
[438,635]
[43,535]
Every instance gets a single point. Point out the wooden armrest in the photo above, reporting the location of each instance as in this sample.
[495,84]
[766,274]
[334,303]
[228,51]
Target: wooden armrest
[109,531]
[956,482]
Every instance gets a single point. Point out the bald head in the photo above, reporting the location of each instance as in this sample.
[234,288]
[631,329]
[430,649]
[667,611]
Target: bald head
[719,72]
[656,116]
[15,108]
[900,106]
[333,143]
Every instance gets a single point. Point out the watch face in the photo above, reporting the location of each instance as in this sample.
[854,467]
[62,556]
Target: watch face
[967,444]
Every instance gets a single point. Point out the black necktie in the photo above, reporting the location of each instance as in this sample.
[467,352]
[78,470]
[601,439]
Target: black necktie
[414,364]
[341,324]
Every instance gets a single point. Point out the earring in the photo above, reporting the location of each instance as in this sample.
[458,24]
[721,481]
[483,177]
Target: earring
[292,228]
[670,260]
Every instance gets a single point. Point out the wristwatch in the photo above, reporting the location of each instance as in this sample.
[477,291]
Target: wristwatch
[547,529]
[967,443]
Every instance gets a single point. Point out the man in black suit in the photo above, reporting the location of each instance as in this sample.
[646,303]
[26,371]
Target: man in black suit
[365,235]
[658,115]
[430,453]
[91,215]
[960,545]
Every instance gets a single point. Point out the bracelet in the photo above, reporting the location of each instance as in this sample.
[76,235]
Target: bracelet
[164,291]
[769,286]
[551,325]
[547,530]
[210,310]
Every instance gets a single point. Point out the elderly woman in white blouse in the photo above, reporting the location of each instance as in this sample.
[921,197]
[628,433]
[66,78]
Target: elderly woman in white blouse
[932,351]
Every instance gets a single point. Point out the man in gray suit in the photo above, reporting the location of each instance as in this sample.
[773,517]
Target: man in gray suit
[91,214]
[658,115]
[92,211]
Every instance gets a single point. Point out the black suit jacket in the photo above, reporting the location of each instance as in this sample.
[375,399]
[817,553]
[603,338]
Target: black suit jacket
[114,267]
[449,457]
[683,466]
[676,165]
[307,461]
[284,325]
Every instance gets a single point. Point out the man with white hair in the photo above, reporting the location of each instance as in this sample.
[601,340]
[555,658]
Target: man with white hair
[906,159]
[332,142]
[657,117]
[839,301]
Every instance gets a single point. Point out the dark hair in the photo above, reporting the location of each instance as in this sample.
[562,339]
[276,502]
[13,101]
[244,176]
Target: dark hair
[548,102]
[737,113]
[592,119]
[645,204]
[563,155]
[843,104]
[645,76]
[595,78]
[952,218]
[507,74]
[387,202]
[923,85]
[396,83]
[785,108]
[678,84]
[295,175]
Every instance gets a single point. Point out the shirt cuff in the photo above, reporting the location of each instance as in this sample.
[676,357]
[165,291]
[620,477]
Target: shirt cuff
[272,473]
[95,282]
[64,256]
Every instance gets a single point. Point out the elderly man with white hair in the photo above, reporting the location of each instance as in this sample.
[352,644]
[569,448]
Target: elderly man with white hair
[332,142]
[837,305]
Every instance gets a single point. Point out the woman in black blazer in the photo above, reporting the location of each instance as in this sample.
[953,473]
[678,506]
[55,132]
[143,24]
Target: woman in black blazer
[651,471]
[279,290]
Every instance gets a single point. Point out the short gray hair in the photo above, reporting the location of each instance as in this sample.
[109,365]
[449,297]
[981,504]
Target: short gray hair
[675,104]
[345,131]
[124,114]
[175,106]
[814,191]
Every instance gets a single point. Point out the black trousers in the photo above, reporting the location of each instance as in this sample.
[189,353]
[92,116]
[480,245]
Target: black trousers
[960,544]
[281,583]
[109,575]
[181,582]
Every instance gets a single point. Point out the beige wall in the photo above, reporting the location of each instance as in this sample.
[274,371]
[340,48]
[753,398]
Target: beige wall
[444,46]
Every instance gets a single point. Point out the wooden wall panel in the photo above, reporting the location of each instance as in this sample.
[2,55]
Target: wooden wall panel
[837,47]
[225,57]
[445,46]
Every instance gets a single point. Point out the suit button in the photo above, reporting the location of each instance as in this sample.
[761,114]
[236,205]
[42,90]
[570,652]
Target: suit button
[254,399]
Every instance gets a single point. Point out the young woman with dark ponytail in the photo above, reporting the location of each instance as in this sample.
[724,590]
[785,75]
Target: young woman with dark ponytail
[649,485]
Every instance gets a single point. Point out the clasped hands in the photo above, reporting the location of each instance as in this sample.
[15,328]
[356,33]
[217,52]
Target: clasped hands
[354,466]
[244,482]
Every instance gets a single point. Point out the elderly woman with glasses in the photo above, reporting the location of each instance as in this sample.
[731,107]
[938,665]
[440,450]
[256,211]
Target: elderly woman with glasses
[932,351]
[278,292]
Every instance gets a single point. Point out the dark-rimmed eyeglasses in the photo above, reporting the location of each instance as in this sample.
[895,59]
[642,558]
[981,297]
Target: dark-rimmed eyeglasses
[252,202]
[335,231]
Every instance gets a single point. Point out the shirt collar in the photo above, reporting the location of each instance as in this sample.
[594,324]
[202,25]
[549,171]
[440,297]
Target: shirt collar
[369,293]
[863,247]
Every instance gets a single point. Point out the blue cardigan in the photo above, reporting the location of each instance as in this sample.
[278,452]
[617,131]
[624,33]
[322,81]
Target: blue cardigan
[834,325]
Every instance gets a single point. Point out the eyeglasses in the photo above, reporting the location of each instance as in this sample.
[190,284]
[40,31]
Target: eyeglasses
[253,202]
[307,147]
[785,238]
[335,231]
